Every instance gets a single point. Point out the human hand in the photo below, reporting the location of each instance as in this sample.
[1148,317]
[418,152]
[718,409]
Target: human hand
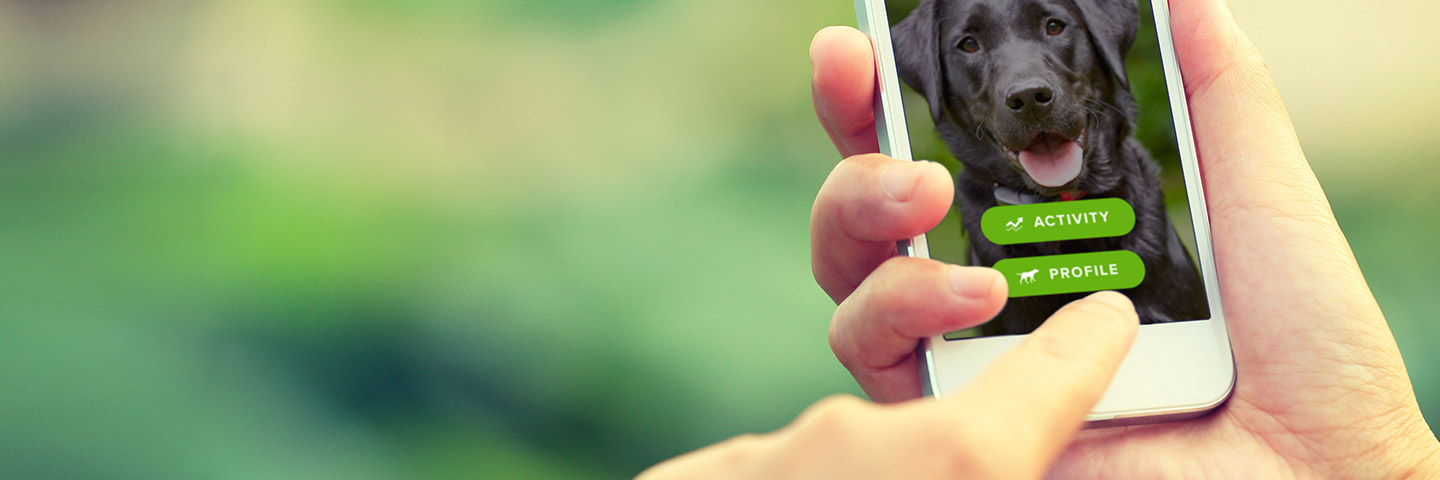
[1321,388]
[1034,399]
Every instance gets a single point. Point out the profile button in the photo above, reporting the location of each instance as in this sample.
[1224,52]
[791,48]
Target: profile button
[1054,221]
[1073,273]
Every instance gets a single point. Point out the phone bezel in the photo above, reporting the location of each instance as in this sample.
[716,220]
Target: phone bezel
[1174,370]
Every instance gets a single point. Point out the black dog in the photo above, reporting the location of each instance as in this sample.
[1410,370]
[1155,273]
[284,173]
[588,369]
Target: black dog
[1031,96]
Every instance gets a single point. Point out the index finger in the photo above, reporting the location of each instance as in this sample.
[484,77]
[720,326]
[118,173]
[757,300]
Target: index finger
[1034,398]
[842,86]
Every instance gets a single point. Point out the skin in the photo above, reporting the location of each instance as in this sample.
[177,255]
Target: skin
[1321,389]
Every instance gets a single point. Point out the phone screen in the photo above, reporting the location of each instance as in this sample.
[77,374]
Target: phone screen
[1054,118]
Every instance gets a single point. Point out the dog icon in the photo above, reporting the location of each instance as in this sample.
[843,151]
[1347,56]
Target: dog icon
[1015,225]
[1028,277]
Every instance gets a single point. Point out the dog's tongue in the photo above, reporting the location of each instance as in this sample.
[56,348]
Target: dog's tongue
[1051,161]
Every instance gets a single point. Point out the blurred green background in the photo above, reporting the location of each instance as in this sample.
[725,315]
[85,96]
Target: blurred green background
[509,239]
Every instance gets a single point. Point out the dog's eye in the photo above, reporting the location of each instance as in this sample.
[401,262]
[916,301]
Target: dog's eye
[1054,27]
[969,45]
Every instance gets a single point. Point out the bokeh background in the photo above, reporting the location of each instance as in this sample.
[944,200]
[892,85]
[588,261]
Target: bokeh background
[499,238]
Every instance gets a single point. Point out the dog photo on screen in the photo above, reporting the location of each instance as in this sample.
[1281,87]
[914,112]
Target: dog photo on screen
[1032,98]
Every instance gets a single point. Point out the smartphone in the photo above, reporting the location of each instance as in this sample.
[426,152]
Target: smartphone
[1064,125]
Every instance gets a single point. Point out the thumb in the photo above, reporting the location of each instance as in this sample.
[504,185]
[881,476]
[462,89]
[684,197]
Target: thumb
[1248,150]
[1269,217]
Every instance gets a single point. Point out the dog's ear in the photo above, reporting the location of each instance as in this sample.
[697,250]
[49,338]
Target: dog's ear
[1112,25]
[917,55]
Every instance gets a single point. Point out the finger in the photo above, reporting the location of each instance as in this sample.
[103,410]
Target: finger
[874,333]
[867,204]
[738,457]
[842,85]
[1035,397]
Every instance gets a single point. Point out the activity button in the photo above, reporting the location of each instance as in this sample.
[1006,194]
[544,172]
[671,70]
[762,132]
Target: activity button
[1079,272]
[1048,222]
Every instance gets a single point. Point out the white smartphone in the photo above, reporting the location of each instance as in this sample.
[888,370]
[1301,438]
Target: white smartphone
[1065,127]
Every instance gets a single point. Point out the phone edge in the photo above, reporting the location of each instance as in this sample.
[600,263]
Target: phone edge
[894,140]
[1199,220]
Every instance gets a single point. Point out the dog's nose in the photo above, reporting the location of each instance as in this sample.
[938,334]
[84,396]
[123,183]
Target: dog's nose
[1030,97]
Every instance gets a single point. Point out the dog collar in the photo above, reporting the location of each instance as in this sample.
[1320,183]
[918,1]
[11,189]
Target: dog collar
[1008,196]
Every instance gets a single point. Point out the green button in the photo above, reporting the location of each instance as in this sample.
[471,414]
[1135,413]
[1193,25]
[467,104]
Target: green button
[1048,222]
[1080,272]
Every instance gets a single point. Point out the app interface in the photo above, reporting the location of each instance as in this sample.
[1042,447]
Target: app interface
[1054,119]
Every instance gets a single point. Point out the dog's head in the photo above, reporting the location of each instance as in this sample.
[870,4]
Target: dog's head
[1033,92]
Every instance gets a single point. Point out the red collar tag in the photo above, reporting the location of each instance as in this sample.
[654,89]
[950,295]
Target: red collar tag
[1068,196]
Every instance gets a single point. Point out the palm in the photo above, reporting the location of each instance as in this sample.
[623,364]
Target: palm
[1254,435]
[1317,369]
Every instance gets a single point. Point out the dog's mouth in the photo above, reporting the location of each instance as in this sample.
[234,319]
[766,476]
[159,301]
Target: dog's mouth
[1051,160]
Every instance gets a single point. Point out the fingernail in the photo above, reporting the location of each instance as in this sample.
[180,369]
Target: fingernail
[899,180]
[973,282]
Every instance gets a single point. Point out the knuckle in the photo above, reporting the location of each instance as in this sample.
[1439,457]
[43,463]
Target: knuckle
[740,451]
[834,417]
[743,445]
